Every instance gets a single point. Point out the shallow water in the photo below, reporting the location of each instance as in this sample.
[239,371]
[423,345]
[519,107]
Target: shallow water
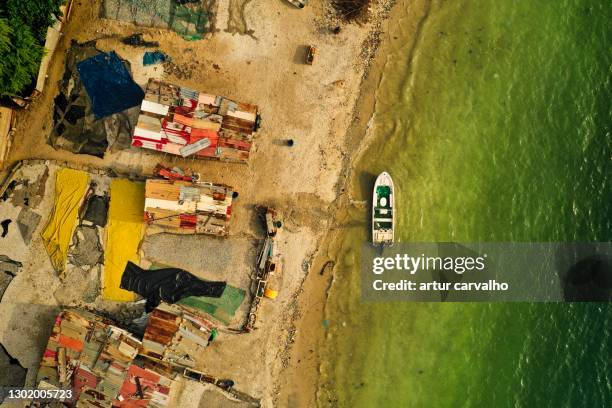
[498,129]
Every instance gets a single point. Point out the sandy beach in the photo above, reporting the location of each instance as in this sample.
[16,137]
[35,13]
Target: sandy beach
[299,382]
[256,55]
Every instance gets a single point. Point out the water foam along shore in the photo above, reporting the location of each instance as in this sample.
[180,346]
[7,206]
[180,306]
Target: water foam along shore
[314,105]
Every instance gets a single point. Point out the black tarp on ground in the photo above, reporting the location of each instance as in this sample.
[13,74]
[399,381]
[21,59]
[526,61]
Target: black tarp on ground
[97,210]
[168,285]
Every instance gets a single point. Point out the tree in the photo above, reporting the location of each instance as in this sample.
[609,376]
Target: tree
[21,56]
[35,14]
[23,29]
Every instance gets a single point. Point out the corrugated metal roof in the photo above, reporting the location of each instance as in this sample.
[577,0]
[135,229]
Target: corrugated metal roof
[175,117]
[185,207]
[176,336]
[99,358]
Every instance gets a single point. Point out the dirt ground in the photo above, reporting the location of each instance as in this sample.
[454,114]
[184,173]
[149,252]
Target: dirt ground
[256,55]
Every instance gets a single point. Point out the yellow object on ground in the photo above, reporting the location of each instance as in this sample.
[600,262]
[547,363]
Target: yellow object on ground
[124,232]
[70,188]
[270,293]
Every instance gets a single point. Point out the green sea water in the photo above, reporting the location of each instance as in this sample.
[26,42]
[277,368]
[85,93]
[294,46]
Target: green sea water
[495,127]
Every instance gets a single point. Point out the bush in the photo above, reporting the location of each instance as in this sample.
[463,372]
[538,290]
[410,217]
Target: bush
[36,14]
[23,28]
[21,55]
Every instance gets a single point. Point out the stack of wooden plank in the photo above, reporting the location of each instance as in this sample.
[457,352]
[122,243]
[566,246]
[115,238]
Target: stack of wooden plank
[176,336]
[173,117]
[185,207]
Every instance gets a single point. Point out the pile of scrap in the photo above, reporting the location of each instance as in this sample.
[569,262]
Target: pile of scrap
[188,123]
[96,360]
[269,268]
[175,173]
[106,366]
[177,336]
[184,207]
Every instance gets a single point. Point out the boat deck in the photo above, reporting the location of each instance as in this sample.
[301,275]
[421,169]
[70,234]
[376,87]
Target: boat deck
[382,219]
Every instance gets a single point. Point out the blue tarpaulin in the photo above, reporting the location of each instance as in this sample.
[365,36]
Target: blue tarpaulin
[153,57]
[109,84]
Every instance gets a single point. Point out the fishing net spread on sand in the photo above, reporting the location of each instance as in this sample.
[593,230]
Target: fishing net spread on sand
[191,19]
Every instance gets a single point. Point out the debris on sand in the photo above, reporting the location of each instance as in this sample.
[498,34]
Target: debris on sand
[86,249]
[352,10]
[266,281]
[106,365]
[153,57]
[136,40]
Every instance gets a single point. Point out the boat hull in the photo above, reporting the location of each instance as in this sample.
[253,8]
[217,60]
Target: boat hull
[383,210]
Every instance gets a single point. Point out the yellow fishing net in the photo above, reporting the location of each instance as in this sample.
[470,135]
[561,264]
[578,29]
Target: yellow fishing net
[124,232]
[70,187]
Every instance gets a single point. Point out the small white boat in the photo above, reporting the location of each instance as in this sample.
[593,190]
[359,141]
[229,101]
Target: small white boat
[383,210]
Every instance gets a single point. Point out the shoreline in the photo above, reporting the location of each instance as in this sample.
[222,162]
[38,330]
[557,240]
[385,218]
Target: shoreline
[299,381]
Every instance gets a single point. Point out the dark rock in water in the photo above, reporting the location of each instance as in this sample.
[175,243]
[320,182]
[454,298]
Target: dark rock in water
[588,280]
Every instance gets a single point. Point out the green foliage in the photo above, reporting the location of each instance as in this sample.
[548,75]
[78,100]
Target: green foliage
[35,14]
[23,28]
[21,55]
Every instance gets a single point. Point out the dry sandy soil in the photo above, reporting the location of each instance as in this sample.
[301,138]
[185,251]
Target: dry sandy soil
[256,55]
